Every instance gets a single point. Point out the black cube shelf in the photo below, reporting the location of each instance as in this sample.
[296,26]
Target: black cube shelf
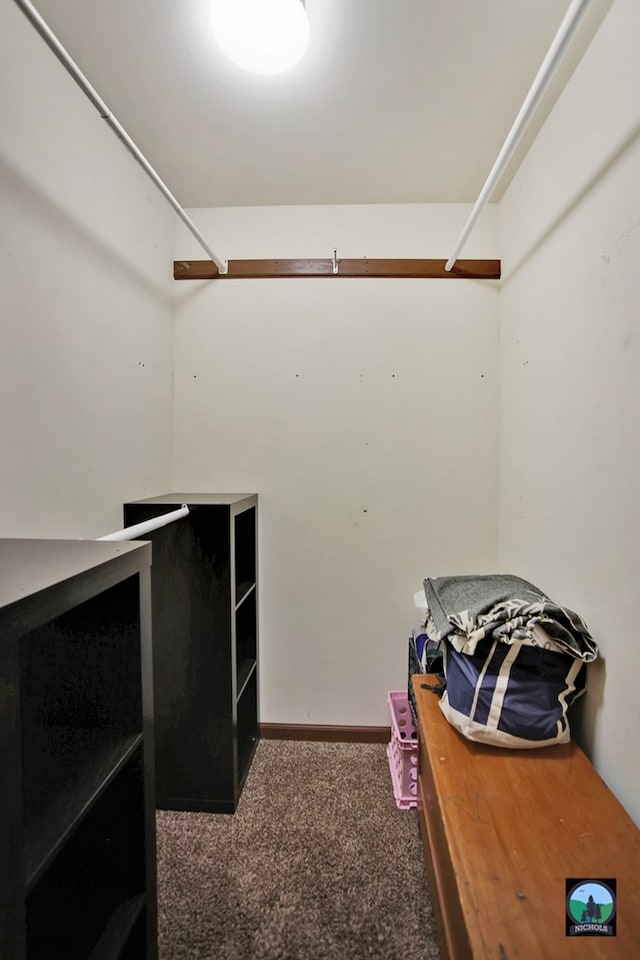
[205,646]
[77,832]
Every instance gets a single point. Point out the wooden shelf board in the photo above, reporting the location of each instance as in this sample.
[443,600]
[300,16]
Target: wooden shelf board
[365,267]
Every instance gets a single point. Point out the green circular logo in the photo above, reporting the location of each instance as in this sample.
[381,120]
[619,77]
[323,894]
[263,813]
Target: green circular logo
[591,902]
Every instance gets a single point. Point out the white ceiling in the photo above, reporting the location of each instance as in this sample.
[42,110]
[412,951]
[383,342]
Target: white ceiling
[395,102]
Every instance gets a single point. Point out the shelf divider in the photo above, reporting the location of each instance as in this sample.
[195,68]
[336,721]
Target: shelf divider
[96,764]
[244,590]
[245,672]
[118,930]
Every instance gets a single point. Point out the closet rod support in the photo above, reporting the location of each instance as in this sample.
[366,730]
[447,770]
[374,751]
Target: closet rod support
[73,69]
[554,55]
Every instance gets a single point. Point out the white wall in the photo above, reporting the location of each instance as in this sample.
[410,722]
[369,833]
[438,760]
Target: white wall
[570,389]
[364,413]
[86,248]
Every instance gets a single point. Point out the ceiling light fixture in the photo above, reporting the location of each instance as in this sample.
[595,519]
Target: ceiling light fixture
[261,36]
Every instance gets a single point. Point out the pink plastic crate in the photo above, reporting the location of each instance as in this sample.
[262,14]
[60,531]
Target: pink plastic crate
[403,765]
[402,752]
[402,725]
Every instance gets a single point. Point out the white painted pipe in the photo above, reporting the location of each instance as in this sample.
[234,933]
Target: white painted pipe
[139,529]
[54,44]
[554,55]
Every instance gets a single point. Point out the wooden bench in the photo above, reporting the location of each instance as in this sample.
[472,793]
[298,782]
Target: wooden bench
[503,830]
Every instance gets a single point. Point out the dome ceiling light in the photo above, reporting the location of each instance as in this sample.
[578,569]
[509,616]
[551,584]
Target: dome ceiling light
[262,36]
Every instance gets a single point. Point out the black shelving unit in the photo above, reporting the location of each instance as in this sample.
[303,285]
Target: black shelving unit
[77,832]
[205,647]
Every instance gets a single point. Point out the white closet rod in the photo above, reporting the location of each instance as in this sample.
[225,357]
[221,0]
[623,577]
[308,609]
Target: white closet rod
[139,529]
[54,44]
[554,55]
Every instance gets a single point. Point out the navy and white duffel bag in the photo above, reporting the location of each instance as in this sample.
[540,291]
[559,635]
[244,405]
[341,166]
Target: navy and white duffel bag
[514,662]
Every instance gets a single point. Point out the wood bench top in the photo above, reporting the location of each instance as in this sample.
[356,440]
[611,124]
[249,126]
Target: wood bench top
[516,824]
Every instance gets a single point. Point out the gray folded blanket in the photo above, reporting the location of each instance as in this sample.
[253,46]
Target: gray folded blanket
[504,607]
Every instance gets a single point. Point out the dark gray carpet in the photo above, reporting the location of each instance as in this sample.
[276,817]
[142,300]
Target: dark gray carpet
[317,863]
